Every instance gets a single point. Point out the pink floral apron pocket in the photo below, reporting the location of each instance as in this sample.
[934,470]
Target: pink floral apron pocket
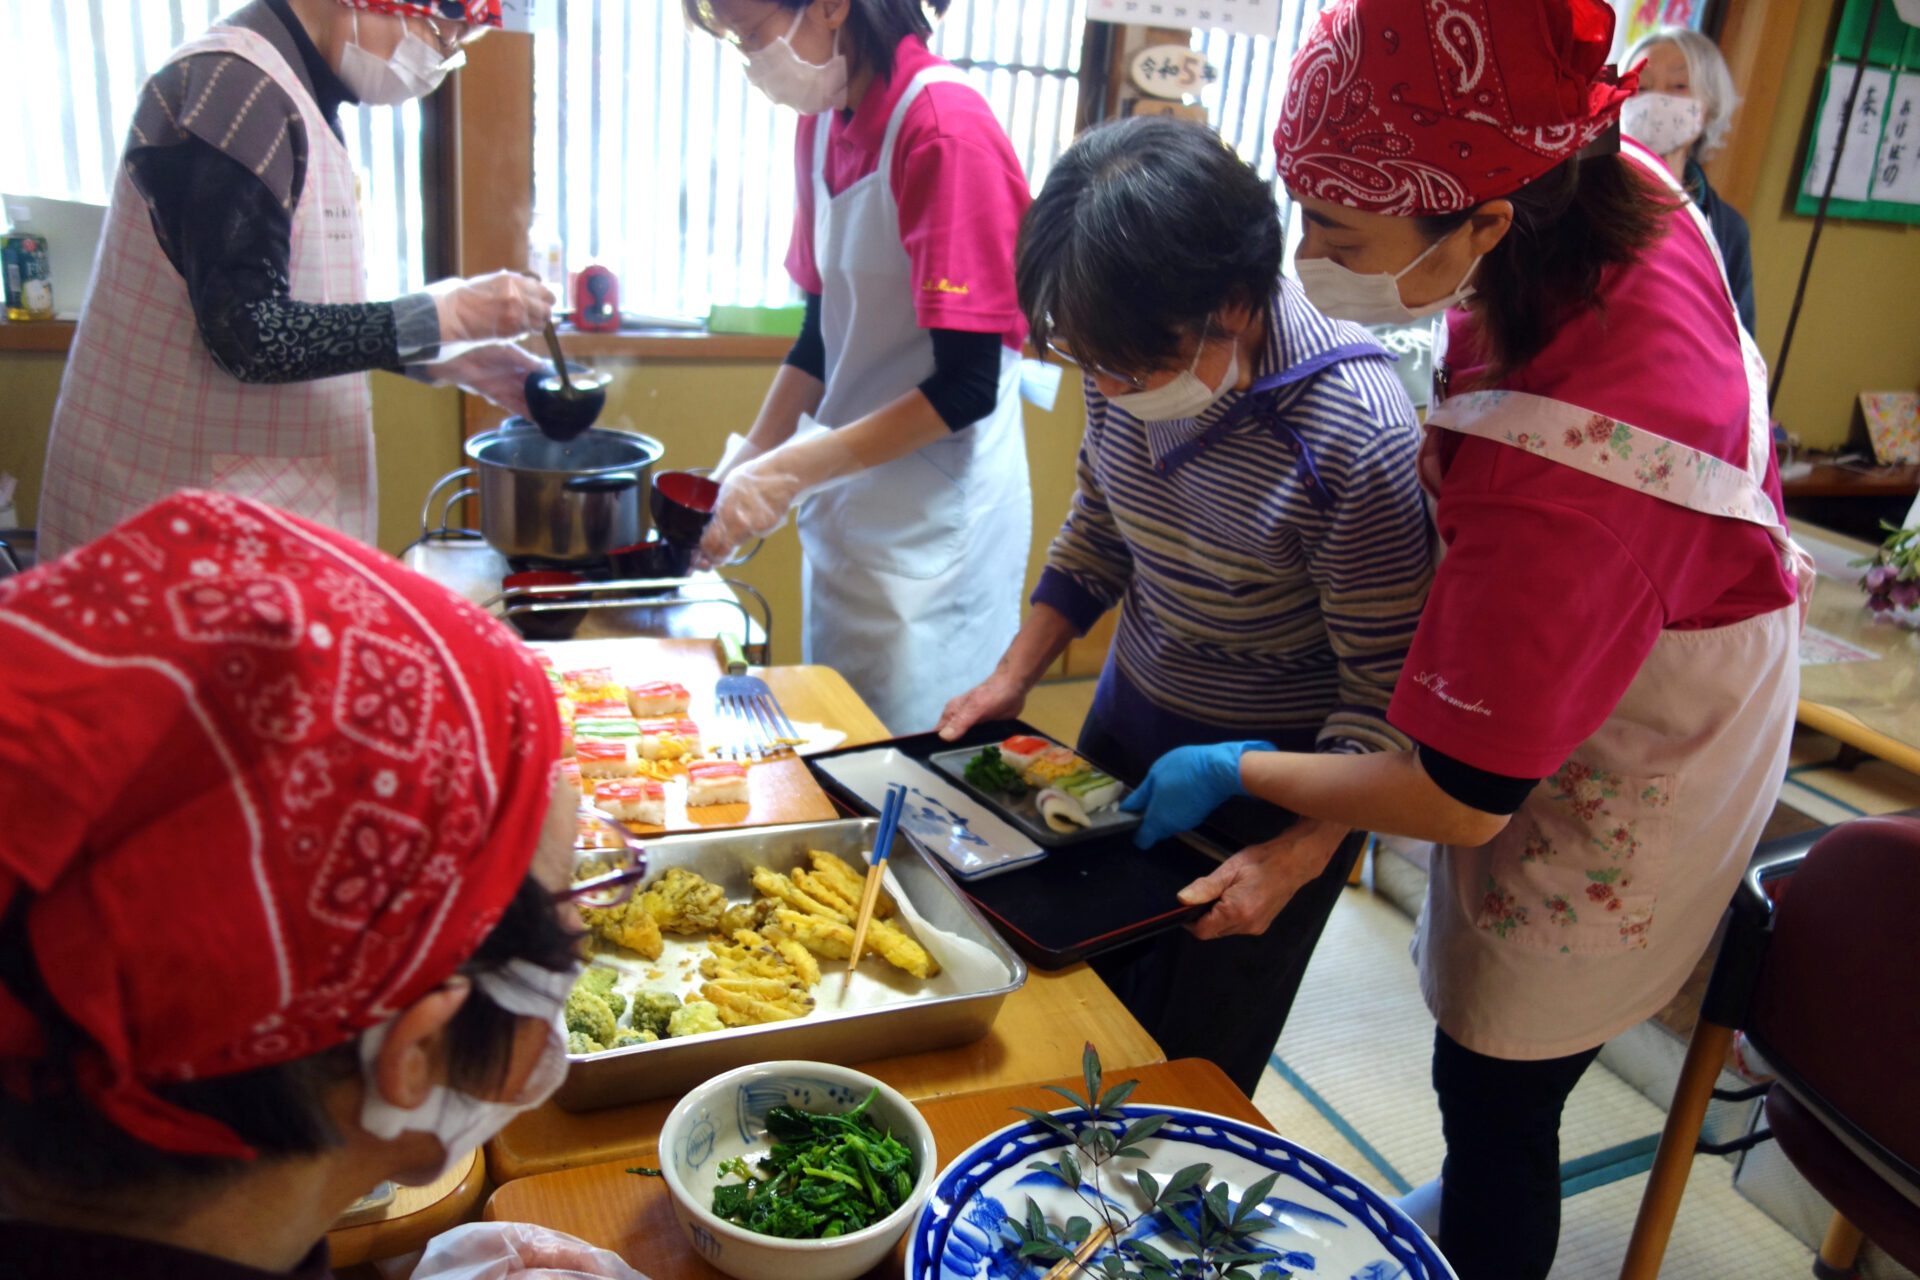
[1580,867]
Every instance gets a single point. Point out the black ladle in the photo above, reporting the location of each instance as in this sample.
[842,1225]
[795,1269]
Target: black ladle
[565,405]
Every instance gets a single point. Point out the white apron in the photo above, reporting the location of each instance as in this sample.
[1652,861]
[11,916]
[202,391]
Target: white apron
[143,409]
[914,570]
[1588,912]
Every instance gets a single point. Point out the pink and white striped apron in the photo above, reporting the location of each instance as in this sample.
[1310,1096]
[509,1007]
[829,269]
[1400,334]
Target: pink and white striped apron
[144,410]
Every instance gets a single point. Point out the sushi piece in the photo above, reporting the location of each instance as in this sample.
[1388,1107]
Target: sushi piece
[556,681]
[592,684]
[633,800]
[565,708]
[1050,766]
[669,739]
[599,758]
[623,730]
[1073,800]
[1022,750]
[570,770]
[602,709]
[566,739]
[716,782]
[661,698]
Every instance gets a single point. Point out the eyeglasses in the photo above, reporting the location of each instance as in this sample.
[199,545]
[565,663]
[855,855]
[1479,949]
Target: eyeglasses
[613,858]
[451,41]
[1138,384]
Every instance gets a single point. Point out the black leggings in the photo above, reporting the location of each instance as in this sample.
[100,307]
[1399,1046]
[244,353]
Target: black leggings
[1226,1000]
[1500,1189]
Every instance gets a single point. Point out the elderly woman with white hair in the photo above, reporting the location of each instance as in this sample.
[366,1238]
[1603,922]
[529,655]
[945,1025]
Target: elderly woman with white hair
[1683,111]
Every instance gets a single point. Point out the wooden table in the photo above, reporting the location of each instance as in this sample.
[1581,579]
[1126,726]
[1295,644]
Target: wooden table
[1829,481]
[1840,609]
[416,1215]
[605,1205]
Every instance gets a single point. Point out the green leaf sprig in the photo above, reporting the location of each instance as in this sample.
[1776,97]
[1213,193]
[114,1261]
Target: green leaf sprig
[1218,1233]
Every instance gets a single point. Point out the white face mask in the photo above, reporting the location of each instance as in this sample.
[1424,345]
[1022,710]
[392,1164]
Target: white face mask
[461,1121]
[1662,122]
[1184,397]
[413,70]
[1341,293]
[789,80]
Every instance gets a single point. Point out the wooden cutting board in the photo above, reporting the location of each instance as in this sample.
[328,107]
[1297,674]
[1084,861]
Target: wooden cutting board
[778,791]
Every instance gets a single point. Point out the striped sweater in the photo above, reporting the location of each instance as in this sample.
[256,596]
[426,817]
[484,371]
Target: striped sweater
[1262,593]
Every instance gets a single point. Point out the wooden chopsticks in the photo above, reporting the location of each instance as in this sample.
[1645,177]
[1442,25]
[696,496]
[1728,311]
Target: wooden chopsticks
[890,810]
[1088,1247]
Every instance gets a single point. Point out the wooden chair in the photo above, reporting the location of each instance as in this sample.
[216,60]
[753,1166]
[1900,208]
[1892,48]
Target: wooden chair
[1818,967]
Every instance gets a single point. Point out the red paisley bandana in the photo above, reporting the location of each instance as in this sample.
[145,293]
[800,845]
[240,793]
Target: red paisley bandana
[262,788]
[482,13]
[1418,107]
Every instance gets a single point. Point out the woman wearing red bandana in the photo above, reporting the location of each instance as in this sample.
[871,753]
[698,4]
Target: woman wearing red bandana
[280,876]
[227,335]
[1602,686]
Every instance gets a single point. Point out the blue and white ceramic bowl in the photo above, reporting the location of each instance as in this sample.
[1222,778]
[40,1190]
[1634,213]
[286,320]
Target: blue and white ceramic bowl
[1319,1221]
[727,1117]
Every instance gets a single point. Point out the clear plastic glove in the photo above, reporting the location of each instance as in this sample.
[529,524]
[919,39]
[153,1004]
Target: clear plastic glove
[497,370]
[756,496]
[740,450]
[1184,786]
[497,1250]
[504,305]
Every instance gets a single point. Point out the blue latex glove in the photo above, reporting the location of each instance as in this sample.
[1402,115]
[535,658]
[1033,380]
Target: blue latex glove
[1184,786]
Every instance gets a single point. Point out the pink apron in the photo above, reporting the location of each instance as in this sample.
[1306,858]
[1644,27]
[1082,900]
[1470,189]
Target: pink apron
[1586,914]
[143,409]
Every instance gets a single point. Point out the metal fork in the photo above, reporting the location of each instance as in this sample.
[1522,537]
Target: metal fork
[765,726]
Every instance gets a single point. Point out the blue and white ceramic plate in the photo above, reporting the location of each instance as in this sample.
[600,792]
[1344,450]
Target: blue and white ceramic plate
[1321,1223]
[964,833]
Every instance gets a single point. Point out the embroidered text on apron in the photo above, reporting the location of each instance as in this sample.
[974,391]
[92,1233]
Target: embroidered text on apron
[914,569]
[143,409]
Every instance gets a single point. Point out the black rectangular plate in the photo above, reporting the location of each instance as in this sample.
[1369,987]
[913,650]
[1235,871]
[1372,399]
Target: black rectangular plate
[1075,902]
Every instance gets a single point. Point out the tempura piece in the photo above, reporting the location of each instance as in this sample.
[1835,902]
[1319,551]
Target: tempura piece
[834,940]
[682,902]
[849,881]
[738,1008]
[796,899]
[798,957]
[628,925]
[694,1017]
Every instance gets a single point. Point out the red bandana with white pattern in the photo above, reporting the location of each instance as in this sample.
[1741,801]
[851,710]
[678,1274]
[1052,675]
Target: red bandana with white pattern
[1421,107]
[481,13]
[264,787]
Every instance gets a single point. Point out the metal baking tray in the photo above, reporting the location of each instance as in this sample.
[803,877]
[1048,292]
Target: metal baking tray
[727,858]
[1024,813]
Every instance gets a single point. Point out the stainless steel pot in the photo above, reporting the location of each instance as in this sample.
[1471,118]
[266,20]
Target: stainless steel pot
[541,498]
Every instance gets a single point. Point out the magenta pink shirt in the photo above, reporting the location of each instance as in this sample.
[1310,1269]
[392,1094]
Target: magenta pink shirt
[959,186]
[1555,584]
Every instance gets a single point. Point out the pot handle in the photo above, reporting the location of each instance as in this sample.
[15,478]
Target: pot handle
[426,508]
[611,483]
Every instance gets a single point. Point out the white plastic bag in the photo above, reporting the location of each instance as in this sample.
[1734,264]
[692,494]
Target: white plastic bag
[517,1251]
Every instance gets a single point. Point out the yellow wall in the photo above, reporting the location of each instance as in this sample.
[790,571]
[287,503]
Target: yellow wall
[1859,329]
[416,429]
